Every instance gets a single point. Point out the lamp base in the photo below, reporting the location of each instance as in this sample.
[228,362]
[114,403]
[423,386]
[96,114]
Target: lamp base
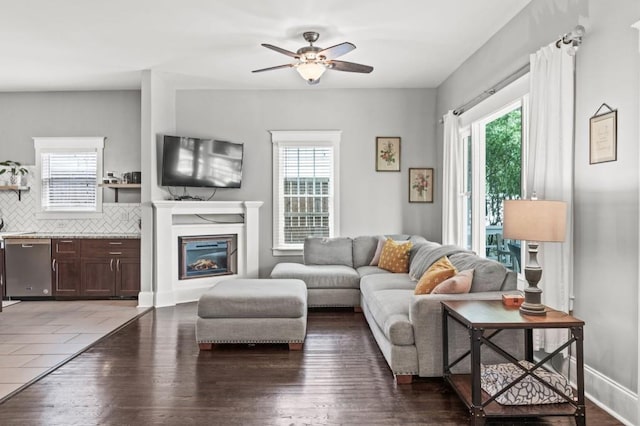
[532,309]
[532,295]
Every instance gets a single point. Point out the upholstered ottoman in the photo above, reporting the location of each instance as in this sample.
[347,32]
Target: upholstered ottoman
[253,311]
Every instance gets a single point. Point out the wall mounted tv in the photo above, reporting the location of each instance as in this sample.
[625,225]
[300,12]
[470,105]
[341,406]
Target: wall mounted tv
[201,162]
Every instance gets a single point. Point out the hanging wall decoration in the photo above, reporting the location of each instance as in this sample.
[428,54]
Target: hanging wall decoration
[388,154]
[421,185]
[603,135]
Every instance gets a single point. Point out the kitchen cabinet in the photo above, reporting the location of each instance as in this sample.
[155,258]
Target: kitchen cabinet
[66,267]
[110,267]
[95,268]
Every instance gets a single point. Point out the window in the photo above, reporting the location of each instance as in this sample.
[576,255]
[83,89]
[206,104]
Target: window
[69,172]
[305,187]
[493,137]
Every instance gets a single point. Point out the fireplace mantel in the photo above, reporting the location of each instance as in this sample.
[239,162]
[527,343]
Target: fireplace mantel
[173,219]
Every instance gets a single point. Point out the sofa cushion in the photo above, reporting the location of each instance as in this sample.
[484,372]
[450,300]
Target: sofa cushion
[437,273]
[364,249]
[386,281]
[254,298]
[328,251]
[488,274]
[459,284]
[319,276]
[369,270]
[395,256]
[390,311]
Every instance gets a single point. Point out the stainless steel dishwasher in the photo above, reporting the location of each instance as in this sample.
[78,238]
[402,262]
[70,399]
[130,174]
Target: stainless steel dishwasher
[27,267]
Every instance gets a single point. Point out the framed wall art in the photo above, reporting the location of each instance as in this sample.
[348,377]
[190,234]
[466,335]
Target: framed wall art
[388,154]
[603,136]
[421,185]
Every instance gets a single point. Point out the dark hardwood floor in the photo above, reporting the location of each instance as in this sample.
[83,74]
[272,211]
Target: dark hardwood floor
[151,372]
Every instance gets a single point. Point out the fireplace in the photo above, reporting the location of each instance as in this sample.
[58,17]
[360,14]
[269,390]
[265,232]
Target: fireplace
[206,256]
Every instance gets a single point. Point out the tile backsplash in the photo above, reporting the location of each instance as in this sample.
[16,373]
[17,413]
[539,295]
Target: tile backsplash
[117,218]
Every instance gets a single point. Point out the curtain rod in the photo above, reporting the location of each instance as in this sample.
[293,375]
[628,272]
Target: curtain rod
[574,37]
[492,91]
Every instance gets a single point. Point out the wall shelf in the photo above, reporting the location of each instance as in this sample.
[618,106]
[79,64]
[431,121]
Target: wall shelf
[15,188]
[118,186]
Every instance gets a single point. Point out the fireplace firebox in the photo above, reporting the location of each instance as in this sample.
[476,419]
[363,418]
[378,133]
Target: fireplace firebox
[206,256]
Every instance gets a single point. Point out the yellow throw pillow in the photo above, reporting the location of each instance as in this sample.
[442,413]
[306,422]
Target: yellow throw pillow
[442,270]
[395,256]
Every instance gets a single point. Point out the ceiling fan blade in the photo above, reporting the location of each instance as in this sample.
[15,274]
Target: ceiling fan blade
[281,50]
[337,50]
[350,67]
[274,68]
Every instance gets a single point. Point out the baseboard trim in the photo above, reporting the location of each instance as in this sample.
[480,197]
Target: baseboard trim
[608,394]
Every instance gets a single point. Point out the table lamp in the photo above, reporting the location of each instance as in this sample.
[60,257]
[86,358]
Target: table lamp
[534,221]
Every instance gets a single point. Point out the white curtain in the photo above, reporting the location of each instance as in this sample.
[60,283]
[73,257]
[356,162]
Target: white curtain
[549,171]
[452,183]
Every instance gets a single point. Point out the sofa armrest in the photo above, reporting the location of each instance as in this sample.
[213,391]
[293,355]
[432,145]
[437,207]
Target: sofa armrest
[425,315]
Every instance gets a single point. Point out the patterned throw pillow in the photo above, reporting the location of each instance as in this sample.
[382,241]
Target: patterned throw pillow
[493,378]
[459,284]
[395,256]
[438,272]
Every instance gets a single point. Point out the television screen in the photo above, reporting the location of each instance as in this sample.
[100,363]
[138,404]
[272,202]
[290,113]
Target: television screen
[201,162]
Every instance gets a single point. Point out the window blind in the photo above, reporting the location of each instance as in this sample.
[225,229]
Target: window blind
[69,181]
[306,192]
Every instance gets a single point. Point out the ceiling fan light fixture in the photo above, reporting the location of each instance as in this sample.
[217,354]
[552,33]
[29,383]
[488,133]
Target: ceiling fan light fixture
[312,61]
[311,71]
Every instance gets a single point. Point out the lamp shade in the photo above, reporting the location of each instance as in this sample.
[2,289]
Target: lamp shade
[535,220]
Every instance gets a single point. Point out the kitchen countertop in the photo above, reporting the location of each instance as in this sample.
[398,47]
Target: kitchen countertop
[66,235]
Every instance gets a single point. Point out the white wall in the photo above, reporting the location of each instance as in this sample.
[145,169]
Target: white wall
[606,195]
[114,114]
[371,202]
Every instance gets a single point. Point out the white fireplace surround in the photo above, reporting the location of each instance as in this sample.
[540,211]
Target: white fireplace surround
[174,219]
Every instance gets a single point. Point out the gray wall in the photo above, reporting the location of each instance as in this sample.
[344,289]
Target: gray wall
[114,114]
[370,202]
[606,195]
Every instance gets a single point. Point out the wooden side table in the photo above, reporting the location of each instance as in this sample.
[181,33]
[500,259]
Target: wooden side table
[483,320]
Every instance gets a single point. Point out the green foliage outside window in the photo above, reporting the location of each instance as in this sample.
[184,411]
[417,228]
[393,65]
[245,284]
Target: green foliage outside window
[503,163]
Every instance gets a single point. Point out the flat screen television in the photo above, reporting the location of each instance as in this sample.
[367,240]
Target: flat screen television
[201,162]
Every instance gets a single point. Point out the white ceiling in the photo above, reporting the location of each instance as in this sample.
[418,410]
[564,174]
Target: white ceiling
[105,44]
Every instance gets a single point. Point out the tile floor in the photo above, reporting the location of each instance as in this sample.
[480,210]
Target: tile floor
[37,337]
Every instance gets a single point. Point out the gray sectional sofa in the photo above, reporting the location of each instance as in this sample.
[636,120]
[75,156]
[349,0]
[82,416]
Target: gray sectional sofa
[407,327]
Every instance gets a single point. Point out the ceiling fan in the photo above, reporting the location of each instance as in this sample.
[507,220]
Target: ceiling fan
[313,61]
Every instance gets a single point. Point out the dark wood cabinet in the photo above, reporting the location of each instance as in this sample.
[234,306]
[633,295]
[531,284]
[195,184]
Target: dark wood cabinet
[98,277]
[128,277]
[66,268]
[96,268]
[110,267]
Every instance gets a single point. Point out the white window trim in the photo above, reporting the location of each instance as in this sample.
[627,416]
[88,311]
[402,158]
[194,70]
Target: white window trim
[58,144]
[281,138]
[470,123]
